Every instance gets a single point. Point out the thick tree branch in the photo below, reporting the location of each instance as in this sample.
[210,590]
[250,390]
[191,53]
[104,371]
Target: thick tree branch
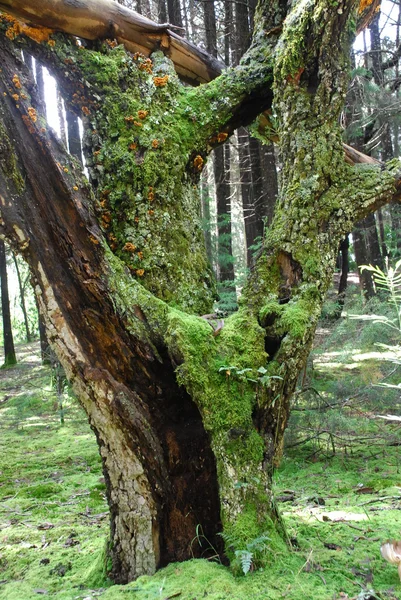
[250,83]
[373,186]
[101,19]
[354,157]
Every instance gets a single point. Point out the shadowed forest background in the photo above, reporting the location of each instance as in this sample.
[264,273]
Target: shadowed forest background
[338,486]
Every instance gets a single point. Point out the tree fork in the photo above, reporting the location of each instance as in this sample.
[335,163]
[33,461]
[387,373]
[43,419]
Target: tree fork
[240,477]
[138,363]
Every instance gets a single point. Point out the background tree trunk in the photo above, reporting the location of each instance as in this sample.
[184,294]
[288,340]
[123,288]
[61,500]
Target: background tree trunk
[362,258]
[44,342]
[22,290]
[74,137]
[8,340]
[174,14]
[343,283]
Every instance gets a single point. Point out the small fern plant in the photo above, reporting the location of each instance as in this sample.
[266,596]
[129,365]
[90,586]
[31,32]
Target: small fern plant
[244,557]
[249,558]
[390,282]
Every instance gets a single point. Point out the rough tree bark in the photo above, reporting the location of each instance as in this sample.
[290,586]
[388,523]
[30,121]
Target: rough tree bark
[121,273]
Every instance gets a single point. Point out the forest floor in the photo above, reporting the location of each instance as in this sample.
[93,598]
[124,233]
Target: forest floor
[339,489]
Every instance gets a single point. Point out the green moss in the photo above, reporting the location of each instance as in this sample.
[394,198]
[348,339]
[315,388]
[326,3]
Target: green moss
[96,574]
[141,144]
[47,478]
[295,318]
[250,526]
[44,490]
[8,162]
[272,308]
[226,402]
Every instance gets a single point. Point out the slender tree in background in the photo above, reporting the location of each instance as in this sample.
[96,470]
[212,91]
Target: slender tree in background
[344,270]
[73,135]
[241,43]
[221,166]
[8,340]
[174,14]
[365,237]
[189,414]
[362,258]
[61,120]
[44,342]
[228,26]
[258,175]
[22,286]
[206,216]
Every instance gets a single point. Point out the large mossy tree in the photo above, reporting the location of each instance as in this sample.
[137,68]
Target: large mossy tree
[189,417]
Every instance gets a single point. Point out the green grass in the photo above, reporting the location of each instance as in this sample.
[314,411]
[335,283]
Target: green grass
[53,513]
[52,509]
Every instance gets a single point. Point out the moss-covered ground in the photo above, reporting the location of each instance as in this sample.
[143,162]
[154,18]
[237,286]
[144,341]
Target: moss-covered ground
[340,492]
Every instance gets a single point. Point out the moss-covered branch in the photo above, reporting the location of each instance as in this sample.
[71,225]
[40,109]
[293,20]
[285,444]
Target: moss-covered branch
[137,119]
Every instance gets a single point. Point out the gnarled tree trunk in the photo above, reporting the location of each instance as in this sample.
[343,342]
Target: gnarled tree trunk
[189,413]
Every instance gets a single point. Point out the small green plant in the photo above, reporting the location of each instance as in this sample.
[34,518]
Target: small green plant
[235,373]
[390,282]
[259,377]
[249,558]
[208,550]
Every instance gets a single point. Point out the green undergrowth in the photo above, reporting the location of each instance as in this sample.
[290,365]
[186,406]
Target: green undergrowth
[341,400]
[53,514]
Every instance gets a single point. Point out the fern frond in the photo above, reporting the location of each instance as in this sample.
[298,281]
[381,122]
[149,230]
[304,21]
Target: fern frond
[258,543]
[245,559]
